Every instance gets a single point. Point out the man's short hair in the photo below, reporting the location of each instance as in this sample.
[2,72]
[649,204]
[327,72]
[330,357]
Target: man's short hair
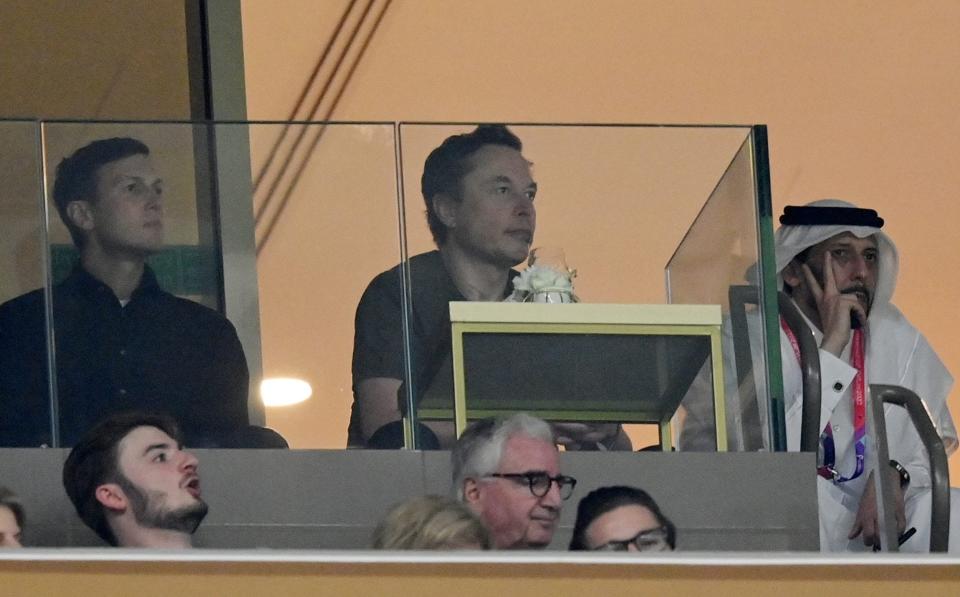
[447,165]
[94,461]
[478,451]
[9,500]
[77,175]
[606,499]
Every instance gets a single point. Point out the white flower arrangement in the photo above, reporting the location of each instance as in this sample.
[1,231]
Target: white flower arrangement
[539,279]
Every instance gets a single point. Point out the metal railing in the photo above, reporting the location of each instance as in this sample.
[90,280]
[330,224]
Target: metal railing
[939,471]
[879,394]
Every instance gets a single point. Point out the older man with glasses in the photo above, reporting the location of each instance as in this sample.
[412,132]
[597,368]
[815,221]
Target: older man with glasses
[508,472]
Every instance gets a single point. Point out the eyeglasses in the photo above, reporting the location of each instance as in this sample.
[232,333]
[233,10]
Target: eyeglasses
[539,483]
[648,540]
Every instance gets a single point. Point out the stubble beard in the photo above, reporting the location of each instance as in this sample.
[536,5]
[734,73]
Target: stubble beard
[148,511]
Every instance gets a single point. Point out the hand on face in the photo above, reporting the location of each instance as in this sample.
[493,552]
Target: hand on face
[836,308]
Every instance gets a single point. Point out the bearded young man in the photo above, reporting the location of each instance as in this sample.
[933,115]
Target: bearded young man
[134,485]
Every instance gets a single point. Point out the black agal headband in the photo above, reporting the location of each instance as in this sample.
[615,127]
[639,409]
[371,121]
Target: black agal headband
[811,215]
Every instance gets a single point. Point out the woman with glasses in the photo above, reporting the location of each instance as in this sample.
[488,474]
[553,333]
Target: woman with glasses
[621,518]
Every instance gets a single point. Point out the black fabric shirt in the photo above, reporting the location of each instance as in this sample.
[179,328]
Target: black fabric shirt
[158,353]
[378,328]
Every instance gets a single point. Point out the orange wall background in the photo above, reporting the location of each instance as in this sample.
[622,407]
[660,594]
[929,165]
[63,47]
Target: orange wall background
[859,98]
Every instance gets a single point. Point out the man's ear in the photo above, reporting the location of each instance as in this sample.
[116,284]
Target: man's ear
[81,214]
[445,207]
[111,496]
[793,274]
[471,491]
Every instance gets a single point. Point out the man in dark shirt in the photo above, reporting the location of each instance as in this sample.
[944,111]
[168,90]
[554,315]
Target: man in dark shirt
[479,195]
[121,342]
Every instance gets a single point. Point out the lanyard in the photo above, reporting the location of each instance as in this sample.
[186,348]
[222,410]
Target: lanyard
[827,470]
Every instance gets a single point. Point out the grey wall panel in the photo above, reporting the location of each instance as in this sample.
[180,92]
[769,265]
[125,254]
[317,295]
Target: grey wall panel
[333,499]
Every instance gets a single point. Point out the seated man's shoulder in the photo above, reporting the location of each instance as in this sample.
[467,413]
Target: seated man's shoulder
[424,269]
[21,309]
[186,311]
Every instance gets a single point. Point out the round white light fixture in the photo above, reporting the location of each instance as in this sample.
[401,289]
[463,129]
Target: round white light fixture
[284,391]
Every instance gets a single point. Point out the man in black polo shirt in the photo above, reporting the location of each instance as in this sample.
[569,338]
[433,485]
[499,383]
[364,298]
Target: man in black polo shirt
[479,195]
[121,342]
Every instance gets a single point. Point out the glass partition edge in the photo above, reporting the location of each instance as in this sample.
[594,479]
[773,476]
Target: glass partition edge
[768,288]
[46,261]
[411,438]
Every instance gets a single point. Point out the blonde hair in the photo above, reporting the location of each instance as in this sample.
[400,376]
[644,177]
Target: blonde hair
[431,522]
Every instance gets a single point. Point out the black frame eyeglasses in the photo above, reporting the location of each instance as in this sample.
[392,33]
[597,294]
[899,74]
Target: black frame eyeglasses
[539,483]
[648,540]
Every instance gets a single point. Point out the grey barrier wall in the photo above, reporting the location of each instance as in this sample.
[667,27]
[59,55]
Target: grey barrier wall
[333,499]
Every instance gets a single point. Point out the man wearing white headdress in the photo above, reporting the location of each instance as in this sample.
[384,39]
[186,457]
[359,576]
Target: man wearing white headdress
[841,270]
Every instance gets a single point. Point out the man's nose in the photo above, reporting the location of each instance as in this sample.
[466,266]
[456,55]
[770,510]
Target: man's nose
[524,205]
[155,198]
[861,268]
[188,461]
[552,498]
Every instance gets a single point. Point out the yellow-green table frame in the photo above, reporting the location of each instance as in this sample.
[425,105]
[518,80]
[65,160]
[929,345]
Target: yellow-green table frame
[584,318]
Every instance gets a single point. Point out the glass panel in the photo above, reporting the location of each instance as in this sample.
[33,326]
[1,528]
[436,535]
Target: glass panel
[717,263]
[326,227]
[312,207]
[22,272]
[139,193]
[614,199]
[274,175]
